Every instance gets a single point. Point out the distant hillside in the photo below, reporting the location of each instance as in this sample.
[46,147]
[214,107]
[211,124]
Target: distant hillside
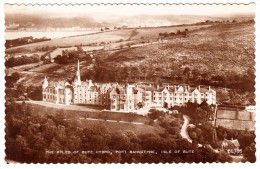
[32,21]
[48,21]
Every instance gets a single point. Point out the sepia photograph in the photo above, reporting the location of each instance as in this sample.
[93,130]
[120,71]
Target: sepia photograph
[130,83]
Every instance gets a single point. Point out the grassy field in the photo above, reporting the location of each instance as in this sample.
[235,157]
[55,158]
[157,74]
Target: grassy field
[110,36]
[138,129]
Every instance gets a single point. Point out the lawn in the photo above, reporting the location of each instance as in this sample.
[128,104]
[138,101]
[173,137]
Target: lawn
[79,118]
[114,127]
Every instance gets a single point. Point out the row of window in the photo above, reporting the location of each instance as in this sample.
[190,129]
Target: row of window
[180,94]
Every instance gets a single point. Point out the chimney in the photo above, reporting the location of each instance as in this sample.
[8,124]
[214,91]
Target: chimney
[199,87]
[168,87]
[209,88]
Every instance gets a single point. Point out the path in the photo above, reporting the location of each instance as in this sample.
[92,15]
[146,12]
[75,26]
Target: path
[184,132]
[114,121]
[65,107]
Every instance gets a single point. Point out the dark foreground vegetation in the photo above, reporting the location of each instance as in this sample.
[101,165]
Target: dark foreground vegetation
[30,134]
[203,132]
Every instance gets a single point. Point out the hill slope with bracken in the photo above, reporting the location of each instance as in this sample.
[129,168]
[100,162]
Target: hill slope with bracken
[217,50]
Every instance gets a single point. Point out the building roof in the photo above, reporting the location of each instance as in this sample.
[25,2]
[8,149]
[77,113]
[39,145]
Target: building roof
[230,144]
[120,90]
[160,89]
[61,83]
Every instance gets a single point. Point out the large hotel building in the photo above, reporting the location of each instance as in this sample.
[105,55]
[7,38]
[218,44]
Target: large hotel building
[123,97]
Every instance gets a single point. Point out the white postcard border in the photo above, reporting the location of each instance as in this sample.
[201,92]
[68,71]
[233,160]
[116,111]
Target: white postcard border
[181,165]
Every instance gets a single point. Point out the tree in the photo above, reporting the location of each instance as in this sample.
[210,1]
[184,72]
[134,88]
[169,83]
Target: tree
[155,114]
[187,71]
[223,157]
[15,76]
[249,153]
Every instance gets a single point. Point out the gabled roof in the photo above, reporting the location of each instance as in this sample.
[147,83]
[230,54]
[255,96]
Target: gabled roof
[160,89]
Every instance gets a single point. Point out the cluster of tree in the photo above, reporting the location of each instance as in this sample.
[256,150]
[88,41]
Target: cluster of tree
[199,113]
[21,92]
[24,41]
[172,123]
[166,34]
[29,134]
[23,60]
[70,56]
[246,140]
[204,134]
[105,72]
[12,79]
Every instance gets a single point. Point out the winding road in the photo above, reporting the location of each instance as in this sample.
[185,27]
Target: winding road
[184,132]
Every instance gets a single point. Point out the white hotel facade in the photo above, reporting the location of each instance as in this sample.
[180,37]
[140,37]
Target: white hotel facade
[123,97]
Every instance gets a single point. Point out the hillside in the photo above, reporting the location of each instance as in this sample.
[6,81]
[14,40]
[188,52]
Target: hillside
[218,50]
[221,56]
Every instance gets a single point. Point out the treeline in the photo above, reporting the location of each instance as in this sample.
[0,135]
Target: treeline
[23,41]
[103,71]
[29,134]
[28,50]
[23,60]
[171,34]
